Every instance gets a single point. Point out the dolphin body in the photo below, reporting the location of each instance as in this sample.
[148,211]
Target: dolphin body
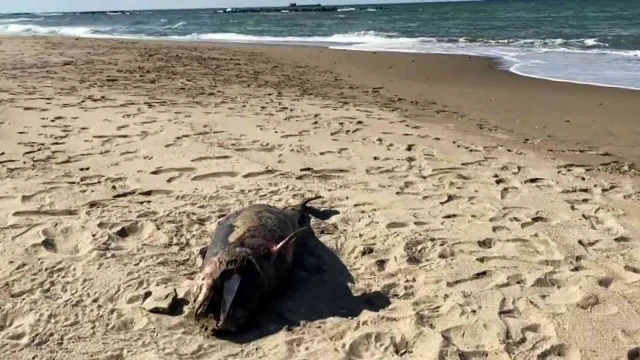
[249,259]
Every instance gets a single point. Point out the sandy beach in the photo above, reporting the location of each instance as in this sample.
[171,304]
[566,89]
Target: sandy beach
[483,215]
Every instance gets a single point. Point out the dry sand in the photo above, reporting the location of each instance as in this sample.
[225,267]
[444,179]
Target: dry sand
[117,158]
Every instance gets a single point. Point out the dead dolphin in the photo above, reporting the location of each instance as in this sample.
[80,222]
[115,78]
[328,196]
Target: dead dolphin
[248,260]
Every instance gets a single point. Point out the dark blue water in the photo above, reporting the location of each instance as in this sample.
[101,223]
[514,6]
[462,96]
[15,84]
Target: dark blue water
[588,41]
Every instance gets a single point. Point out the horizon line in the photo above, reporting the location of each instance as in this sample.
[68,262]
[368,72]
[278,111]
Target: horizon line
[240,7]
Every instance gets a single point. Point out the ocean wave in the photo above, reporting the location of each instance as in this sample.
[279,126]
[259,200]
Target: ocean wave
[7,21]
[361,37]
[51,30]
[587,61]
[541,42]
[347,9]
[361,40]
[181,23]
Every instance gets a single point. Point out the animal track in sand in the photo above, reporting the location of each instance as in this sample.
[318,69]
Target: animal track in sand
[173,170]
[214,175]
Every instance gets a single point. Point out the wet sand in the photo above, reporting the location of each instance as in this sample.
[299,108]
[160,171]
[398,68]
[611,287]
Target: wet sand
[456,238]
[477,95]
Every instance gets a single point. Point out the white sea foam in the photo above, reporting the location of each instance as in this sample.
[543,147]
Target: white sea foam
[181,23]
[603,67]
[24,29]
[362,37]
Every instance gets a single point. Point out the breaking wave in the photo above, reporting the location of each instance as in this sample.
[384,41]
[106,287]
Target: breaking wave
[8,21]
[20,29]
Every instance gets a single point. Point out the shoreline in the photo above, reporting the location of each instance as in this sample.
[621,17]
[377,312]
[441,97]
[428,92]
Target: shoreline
[331,46]
[561,119]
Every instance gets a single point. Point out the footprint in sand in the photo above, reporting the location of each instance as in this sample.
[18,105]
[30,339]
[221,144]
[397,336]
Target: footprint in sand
[130,152]
[396,225]
[41,196]
[142,193]
[117,136]
[510,193]
[68,241]
[321,174]
[632,269]
[255,149]
[299,134]
[534,220]
[483,276]
[422,250]
[256,174]
[487,243]
[500,230]
[209,158]
[46,213]
[540,183]
[214,175]
[173,170]
[376,345]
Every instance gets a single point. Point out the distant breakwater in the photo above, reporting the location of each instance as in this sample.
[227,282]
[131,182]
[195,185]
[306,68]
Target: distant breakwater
[304,8]
[281,9]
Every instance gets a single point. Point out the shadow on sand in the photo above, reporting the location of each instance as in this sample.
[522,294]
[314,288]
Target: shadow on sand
[319,289]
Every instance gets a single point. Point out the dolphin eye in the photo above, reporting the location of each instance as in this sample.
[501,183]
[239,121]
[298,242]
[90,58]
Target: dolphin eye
[266,253]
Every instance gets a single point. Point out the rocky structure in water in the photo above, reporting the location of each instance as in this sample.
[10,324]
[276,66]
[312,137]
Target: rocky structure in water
[293,7]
